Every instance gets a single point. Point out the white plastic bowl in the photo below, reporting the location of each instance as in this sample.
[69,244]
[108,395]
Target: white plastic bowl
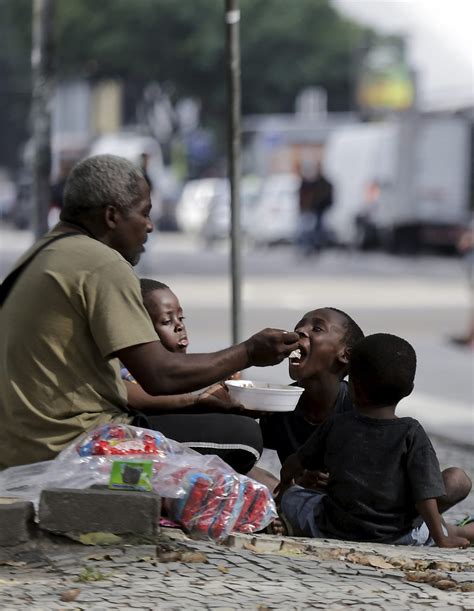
[264,397]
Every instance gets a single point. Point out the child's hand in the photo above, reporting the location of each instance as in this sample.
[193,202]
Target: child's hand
[219,391]
[214,403]
[235,376]
[217,397]
[290,471]
[451,540]
[314,480]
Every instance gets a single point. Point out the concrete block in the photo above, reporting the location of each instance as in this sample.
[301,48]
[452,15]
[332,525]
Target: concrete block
[16,522]
[64,510]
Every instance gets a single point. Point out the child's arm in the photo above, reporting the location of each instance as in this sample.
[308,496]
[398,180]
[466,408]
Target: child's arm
[291,469]
[140,400]
[428,509]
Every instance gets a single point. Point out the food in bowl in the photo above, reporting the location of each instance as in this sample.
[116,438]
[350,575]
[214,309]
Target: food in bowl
[263,396]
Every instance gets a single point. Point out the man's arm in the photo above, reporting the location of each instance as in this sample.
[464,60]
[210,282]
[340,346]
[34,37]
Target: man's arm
[160,372]
[428,509]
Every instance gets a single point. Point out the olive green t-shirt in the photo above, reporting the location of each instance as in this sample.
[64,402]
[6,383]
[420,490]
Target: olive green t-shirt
[71,309]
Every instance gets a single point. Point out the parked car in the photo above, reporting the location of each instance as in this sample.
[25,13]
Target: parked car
[194,204]
[275,219]
[217,225]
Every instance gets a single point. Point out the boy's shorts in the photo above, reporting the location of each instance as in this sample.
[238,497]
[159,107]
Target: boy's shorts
[302,507]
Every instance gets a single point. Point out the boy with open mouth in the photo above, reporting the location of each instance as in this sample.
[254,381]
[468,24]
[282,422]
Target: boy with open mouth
[327,336]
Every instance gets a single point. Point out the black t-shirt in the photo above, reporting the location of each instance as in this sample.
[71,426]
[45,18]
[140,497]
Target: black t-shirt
[287,431]
[378,469]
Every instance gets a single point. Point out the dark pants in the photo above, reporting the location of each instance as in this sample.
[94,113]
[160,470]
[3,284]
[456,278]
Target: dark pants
[236,439]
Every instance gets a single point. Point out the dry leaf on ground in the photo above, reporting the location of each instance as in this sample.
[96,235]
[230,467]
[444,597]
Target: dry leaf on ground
[99,538]
[445,584]
[193,557]
[70,595]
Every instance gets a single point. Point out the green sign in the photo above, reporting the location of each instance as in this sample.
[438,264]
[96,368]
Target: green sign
[131,475]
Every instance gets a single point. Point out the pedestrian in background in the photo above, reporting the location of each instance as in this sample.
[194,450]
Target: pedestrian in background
[466,248]
[315,198]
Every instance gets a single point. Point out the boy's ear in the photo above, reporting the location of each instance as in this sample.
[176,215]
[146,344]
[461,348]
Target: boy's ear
[344,355]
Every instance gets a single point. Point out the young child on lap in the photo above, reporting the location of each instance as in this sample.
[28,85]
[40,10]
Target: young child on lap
[168,318]
[385,483]
[207,421]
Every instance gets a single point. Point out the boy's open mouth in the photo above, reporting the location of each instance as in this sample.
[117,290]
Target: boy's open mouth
[298,356]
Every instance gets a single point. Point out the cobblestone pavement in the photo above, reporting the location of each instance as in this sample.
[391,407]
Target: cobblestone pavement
[260,572]
[255,573]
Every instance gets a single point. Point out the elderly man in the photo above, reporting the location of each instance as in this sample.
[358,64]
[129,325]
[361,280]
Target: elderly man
[75,310]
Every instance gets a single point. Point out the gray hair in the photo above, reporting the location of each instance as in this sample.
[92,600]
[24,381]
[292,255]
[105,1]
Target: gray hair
[100,181]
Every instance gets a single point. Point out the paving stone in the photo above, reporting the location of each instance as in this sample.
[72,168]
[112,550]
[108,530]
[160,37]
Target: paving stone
[84,511]
[16,523]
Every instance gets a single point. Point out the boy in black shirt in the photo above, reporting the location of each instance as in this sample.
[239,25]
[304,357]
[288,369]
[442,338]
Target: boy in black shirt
[327,336]
[383,470]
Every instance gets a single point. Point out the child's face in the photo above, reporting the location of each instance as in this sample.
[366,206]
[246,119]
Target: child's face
[322,345]
[167,317]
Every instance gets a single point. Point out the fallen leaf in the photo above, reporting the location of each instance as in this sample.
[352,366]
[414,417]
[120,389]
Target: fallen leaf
[379,563]
[416,576]
[169,556]
[423,565]
[194,557]
[91,574]
[444,566]
[145,559]
[222,568]
[70,595]
[250,547]
[99,538]
[396,562]
[432,577]
[445,584]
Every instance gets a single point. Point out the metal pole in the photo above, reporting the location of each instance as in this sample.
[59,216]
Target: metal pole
[42,67]
[232,19]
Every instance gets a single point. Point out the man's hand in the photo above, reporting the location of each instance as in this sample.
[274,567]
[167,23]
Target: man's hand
[270,347]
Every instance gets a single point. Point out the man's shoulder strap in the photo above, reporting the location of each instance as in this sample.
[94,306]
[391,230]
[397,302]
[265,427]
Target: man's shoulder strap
[12,277]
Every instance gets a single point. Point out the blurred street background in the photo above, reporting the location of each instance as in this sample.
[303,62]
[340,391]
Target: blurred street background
[366,106]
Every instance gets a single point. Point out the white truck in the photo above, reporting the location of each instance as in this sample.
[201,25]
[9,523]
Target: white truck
[400,184]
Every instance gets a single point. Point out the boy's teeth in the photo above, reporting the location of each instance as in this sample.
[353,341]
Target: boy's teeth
[296,354]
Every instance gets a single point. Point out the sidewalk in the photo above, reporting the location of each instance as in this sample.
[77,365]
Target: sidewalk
[258,572]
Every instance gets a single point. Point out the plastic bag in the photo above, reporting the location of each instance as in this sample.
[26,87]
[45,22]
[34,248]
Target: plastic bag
[201,492]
